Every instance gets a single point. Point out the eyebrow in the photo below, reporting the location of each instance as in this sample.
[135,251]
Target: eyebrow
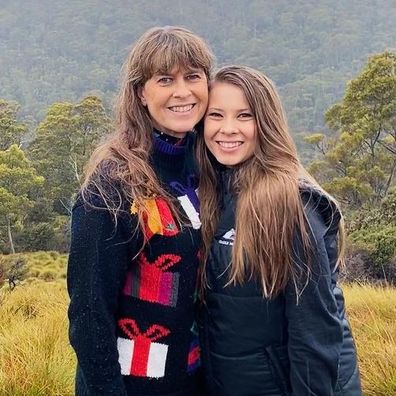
[214,108]
[169,73]
[237,111]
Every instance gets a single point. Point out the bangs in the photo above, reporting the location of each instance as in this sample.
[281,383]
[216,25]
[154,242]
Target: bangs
[171,52]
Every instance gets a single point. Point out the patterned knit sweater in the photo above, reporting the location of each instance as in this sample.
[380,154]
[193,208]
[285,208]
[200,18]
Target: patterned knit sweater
[132,319]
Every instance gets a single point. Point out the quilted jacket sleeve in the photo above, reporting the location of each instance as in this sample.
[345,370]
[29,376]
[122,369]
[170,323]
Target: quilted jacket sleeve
[314,323]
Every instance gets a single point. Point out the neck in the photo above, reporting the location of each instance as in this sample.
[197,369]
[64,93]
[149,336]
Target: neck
[172,139]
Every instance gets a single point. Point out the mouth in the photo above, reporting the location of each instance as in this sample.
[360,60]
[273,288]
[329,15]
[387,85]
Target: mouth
[181,109]
[229,145]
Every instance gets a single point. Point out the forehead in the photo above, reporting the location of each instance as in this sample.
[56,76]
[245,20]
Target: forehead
[227,94]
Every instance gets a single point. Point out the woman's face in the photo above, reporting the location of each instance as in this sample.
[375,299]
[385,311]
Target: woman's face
[229,127]
[177,100]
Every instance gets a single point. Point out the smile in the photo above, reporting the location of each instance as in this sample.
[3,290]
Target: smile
[229,144]
[181,109]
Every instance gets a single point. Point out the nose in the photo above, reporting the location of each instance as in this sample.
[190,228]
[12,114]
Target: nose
[228,127]
[182,89]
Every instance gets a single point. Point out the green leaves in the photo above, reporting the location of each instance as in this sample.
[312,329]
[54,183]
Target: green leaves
[11,130]
[64,141]
[363,155]
[18,181]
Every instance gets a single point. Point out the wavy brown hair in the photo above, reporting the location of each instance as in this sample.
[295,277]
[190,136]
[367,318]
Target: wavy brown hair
[269,208]
[120,167]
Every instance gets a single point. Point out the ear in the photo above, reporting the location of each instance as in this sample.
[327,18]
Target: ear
[141,94]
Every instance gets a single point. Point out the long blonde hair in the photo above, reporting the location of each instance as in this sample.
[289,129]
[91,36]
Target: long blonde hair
[120,166]
[269,208]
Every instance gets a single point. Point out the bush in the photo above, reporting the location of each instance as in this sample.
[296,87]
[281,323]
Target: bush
[48,266]
[53,235]
[372,253]
[13,269]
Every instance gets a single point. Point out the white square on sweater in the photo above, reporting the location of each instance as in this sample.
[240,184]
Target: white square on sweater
[155,363]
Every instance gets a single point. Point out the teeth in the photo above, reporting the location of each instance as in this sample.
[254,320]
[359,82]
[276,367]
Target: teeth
[229,144]
[181,109]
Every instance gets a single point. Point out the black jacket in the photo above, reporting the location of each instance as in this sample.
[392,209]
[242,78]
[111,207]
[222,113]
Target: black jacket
[256,346]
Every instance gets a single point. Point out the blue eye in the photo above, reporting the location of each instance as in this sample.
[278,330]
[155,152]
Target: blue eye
[165,80]
[194,76]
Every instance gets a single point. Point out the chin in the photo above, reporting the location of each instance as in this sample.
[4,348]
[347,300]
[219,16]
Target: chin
[226,162]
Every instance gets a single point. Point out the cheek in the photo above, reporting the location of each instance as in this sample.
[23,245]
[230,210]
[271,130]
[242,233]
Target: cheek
[207,139]
[204,97]
[207,131]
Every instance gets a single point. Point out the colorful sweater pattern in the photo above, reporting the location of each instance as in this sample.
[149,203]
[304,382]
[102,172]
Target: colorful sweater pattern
[148,326]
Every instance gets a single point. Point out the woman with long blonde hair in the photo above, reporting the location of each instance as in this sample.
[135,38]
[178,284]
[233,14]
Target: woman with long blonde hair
[133,261]
[273,318]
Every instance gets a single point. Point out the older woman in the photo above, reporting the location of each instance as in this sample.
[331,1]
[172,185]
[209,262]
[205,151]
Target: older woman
[135,229]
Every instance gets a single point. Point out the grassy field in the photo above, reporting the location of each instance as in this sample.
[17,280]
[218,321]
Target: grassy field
[36,359]
[372,313]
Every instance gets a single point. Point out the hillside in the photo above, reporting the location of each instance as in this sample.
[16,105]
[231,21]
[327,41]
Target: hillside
[52,50]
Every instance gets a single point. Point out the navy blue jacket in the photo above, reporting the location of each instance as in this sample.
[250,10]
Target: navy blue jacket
[256,346]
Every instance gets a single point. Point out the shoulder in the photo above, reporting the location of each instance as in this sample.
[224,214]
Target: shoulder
[321,210]
[102,191]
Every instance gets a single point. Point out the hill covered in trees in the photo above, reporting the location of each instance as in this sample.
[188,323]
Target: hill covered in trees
[52,50]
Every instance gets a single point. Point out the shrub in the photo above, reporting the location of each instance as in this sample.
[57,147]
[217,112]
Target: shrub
[379,244]
[44,265]
[13,269]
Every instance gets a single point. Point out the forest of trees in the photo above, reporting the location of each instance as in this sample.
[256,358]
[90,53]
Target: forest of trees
[59,67]
[357,164]
[52,51]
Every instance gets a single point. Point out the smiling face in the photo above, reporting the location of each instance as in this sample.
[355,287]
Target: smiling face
[230,127]
[176,101]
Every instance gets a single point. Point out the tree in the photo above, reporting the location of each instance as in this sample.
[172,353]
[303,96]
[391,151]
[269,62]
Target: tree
[18,183]
[361,162]
[64,141]
[11,130]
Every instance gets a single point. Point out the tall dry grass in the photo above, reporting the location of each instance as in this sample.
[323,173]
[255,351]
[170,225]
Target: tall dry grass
[372,313]
[36,359]
[35,356]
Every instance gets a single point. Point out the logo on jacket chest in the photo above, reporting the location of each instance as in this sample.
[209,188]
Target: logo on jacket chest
[228,238]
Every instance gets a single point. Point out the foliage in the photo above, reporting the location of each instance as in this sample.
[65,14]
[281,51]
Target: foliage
[37,186]
[18,184]
[380,243]
[372,242]
[360,165]
[65,50]
[11,130]
[16,273]
[64,141]
[52,233]
[48,265]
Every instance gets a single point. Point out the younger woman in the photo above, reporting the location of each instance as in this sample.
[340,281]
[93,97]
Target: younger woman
[273,316]
[135,229]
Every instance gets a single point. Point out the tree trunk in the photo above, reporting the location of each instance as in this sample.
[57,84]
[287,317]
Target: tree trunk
[388,184]
[10,235]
